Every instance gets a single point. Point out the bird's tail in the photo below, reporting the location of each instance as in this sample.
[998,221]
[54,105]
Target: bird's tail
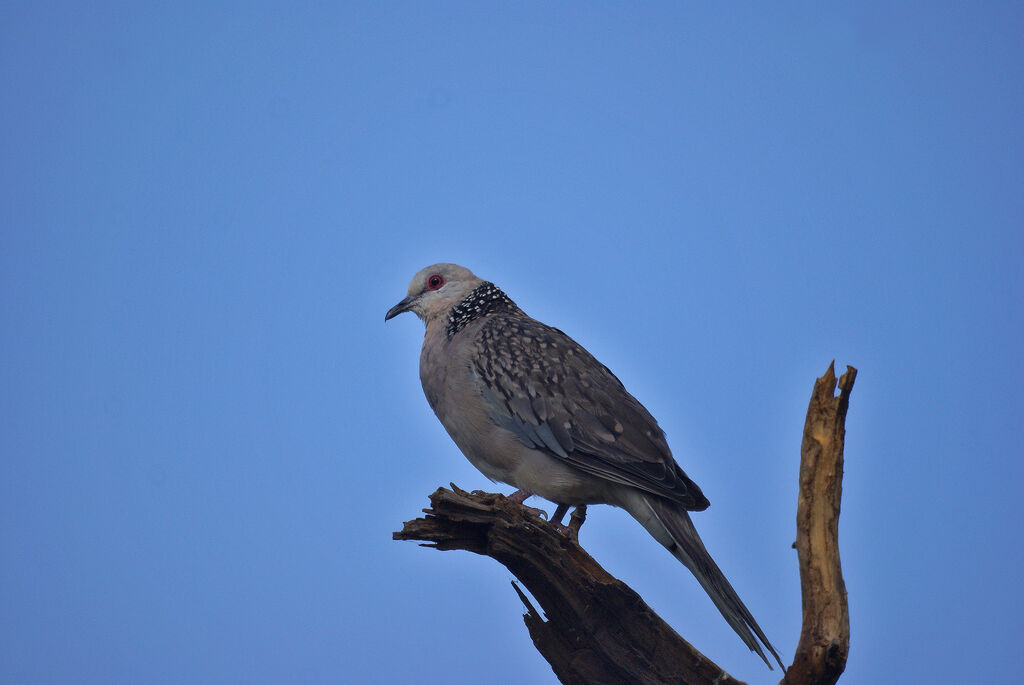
[671,526]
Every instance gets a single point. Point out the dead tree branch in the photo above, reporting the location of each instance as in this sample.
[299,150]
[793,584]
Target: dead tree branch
[597,629]
[825,636]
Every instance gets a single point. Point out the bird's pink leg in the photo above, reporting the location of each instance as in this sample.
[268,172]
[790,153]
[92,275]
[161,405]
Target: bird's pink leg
[572,531]
[520,496]
[579,515]
[556,518]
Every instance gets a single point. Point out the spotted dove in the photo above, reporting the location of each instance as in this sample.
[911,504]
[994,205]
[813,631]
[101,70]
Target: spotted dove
[529,407]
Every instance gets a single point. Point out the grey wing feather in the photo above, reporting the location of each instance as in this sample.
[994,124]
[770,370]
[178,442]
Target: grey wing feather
[555,396]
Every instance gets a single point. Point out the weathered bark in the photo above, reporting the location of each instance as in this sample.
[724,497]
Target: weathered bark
[598,630]
[825,636]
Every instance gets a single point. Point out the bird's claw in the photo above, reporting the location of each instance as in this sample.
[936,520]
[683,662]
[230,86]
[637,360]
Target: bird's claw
[519,496]
[571,531]
[566,531]
[539,513]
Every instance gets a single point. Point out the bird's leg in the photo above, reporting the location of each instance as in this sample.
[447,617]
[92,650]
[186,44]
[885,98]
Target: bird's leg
[579,515]
[520,496]
[556,518]
[572,531]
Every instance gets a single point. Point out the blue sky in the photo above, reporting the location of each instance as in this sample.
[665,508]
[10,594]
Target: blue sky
[209,433]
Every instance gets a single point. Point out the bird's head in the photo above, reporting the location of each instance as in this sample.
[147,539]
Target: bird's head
[434,290]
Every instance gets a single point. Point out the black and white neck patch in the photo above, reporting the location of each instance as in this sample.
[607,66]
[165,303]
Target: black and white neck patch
[485,299]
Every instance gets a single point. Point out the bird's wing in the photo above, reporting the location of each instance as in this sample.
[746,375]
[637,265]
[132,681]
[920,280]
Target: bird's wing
[554,395]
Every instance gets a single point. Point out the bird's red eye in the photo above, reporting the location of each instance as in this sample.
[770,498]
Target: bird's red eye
[434,281]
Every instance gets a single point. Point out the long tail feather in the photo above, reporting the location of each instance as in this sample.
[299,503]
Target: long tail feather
[671,526]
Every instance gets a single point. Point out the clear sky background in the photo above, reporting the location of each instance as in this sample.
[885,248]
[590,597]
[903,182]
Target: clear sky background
[208,433]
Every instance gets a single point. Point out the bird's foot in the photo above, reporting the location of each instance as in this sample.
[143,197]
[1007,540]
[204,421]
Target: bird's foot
[576,519]
[519,496]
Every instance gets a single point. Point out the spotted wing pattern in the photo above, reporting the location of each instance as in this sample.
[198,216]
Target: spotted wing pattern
[556,396]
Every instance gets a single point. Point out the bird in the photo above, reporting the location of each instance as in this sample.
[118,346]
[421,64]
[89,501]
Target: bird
[530,407]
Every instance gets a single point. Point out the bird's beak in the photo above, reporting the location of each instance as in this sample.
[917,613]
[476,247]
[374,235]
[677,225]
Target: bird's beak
[402,306]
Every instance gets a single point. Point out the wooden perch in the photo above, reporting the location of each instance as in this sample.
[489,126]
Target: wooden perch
[598,630]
